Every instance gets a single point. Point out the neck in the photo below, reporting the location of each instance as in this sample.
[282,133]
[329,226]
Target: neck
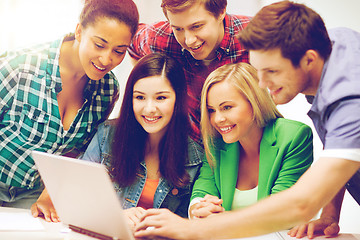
[69,62]
[315,77]
[251,143]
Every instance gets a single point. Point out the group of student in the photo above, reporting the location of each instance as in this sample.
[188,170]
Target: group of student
[198,132]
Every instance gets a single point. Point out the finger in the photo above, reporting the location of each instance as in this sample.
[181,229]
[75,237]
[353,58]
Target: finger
[212,199]
[311,230]
[292,232]
[301,231]
[153,212]
[54,216]
[34,210]
[332,230]
[206,211]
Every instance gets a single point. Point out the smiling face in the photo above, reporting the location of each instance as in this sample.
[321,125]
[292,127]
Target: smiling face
[198,31]
[102,46]
[153,103]
[280,77]
[230,114]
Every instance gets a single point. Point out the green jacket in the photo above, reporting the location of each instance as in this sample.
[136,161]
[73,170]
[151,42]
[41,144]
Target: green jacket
[286,152]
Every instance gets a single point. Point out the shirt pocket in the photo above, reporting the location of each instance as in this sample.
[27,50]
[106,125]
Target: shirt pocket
[33,124]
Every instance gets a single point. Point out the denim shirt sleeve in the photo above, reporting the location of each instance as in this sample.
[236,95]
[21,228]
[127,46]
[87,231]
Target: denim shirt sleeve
[99,149]
[178,199]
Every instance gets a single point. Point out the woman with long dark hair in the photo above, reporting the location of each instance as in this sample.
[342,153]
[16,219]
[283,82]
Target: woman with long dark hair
[147,150]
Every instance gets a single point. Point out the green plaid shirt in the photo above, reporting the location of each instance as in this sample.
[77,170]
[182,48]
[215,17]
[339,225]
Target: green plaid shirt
[29,113]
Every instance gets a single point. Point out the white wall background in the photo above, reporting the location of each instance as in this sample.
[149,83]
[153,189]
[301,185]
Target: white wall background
[25,22]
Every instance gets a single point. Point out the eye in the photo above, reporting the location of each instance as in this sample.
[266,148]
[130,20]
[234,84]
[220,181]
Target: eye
[118,52]
[227,107]
[197,26]
[271,71]
[139,97]
[99,45]
[161,98]
[210,110]
[177,29]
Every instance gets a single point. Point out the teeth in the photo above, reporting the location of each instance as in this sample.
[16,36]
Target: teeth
[100,68]
[151,118]
[225,129]
[195,48]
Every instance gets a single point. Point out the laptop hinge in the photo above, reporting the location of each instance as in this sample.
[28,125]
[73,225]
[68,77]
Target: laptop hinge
[91,233]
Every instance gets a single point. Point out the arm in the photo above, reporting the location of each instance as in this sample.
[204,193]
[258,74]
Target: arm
[288,208]
[297,157]
[206,192]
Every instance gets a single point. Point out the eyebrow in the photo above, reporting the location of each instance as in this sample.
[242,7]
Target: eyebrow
[221,104]
[103,40]
[157,93]
[195,23]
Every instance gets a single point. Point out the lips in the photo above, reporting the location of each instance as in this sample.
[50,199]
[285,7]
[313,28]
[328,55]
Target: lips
[274,91]
[151,119]
[98,67]
[198,47]
[227,129]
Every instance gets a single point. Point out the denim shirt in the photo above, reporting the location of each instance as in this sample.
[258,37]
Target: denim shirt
[166,195]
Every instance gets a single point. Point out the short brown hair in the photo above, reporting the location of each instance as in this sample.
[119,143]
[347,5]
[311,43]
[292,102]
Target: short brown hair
[215,7]
[292,27]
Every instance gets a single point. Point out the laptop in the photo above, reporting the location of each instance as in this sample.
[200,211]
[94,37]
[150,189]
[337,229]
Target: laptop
[83,196]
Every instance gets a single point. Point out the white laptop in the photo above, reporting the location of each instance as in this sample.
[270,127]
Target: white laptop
[83,196]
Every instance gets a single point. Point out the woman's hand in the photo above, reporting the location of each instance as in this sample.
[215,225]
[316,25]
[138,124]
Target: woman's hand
[164,224]
[133,216]
[44,207]
[207,206]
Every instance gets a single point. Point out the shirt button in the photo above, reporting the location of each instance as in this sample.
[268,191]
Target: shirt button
[160,190]
[175,191]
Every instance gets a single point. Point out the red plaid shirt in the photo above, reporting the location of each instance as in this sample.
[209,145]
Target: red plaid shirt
[159,37]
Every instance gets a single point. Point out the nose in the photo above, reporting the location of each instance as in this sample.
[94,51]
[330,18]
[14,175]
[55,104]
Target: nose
[190,38]
[263,81]
[105,58]
[150,107]
[219,118]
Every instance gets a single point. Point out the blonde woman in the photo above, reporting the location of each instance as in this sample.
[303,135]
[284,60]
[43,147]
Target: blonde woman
[251,150]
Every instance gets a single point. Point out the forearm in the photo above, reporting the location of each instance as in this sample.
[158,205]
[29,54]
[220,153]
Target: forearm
[269,215]
[286,209]
[333,208]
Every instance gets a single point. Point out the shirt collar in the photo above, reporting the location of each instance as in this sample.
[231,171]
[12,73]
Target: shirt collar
[226,43]
[53,79]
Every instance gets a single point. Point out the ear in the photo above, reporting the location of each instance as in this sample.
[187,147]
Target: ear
[310,58]
[222,14]
[78,31]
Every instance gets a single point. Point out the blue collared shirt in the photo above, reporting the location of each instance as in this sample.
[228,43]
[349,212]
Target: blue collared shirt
[335,109]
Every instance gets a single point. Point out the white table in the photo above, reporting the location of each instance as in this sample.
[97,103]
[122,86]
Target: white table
[57,231]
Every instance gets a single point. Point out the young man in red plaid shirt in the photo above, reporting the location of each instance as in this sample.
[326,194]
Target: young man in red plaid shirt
[201,36]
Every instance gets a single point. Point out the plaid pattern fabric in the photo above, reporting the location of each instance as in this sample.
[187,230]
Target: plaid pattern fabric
[29,113]
[159,37]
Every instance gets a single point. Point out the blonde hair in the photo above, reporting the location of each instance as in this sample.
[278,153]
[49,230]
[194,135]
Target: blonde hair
[244,78]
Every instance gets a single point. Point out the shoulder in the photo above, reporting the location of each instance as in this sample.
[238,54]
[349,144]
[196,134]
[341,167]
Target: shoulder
[154,32]
[283,128]
[236,22]
[196,153]
[105,131]
[27,58]
[157,37]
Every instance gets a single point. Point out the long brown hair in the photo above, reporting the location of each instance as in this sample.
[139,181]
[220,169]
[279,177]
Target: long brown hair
[130,138]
